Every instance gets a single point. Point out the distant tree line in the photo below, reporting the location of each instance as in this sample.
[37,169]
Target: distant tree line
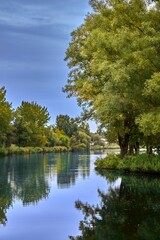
[27,126]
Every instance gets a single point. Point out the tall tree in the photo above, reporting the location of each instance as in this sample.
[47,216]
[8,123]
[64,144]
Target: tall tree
[6,116]
[30,123]
[111,56]
[67,124]
[149,121]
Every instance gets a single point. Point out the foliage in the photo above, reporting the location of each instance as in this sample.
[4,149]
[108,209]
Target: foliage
[30,124]
[97,140]
[80,141]
[52,139]
[66,124]
[149,121]
[28,150]
[109,162]
[72,133]
[62,138]
[25,130]
[114,57]
[6,115]
[29,131]
[137,163]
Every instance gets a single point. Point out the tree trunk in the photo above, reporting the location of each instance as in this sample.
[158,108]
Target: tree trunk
[149,145]
[131,150]
[136,147]
[123,143]
[149,149]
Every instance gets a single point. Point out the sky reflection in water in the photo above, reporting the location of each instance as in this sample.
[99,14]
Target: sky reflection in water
[38,194]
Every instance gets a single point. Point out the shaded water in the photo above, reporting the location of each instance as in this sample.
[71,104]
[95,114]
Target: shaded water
[38,195]
[129,211]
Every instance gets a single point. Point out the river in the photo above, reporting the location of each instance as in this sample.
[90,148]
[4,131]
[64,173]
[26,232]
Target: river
[42,197]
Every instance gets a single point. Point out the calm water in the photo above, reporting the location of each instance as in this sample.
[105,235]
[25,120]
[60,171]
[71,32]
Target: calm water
[38,194]
[42,197]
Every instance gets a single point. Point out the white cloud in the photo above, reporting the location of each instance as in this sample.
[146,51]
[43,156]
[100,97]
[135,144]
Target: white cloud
[25,15]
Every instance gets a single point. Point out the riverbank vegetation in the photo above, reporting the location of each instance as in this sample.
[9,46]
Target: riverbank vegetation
[143,163]
[114,61]
[26,130]
[13,149]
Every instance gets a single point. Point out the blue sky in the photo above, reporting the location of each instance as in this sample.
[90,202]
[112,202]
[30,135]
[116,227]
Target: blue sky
[34,35]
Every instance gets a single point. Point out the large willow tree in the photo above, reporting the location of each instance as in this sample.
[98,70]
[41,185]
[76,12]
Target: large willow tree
[114,59]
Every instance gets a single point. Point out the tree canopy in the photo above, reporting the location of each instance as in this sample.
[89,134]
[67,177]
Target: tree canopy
[5,117]
[66,124]
[114,57]
[28,126]
[30,122]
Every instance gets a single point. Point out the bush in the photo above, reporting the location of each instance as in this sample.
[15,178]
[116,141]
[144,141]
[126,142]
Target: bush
[109,162]
[29,150]
[136,163]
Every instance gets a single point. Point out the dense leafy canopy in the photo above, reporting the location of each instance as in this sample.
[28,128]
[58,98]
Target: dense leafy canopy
[30,122]
[6,116]
[114,59]
[66,124]
[27,126]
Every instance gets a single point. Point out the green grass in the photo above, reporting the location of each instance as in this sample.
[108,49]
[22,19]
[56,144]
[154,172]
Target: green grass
[28,150]
[136,163]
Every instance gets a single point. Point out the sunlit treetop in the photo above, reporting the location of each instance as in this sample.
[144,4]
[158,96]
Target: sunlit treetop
[112,57]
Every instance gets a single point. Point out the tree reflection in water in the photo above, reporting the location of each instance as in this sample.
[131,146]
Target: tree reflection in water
[26,178]
[70,166]
[22,179]
[128,212]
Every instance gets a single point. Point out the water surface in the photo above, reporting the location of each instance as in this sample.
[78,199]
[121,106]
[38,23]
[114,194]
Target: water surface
[38,194]
[129,210]
[50,196]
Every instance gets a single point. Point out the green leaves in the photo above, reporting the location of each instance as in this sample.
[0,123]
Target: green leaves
[114,59]
[149,123]
[6,115]
[30,122]
[152,88]
[66,124]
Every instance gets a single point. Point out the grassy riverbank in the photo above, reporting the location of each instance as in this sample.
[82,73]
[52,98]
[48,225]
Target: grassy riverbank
[28,150]
[138,163]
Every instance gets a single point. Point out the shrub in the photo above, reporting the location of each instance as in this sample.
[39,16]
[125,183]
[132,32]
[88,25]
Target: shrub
[109,162]
[136,163]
